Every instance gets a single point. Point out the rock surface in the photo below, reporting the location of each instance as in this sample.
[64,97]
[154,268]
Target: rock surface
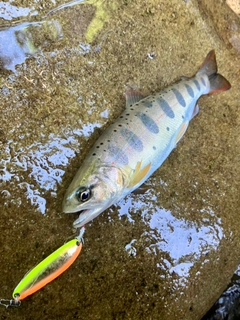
[165,254]
[224,20]
[234,5]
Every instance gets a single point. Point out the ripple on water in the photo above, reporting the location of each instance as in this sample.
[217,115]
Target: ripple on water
[183,241]
[43,164]
[9,11]
[21,40]
[39,167]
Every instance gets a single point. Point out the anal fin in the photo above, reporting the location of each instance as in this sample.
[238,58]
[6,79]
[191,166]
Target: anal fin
[195,111]
[142,189]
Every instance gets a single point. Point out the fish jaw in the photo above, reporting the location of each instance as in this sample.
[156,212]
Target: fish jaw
[87,215]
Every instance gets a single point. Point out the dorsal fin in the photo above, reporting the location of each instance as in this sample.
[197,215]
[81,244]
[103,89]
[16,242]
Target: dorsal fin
[133,96]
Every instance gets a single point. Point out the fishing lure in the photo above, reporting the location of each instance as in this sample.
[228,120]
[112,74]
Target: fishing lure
[46,271]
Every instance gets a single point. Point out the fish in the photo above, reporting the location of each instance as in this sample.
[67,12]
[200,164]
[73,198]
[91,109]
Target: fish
[138,142]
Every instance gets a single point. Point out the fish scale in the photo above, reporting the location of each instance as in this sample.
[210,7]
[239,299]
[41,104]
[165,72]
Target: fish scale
[138,142]
[163,141]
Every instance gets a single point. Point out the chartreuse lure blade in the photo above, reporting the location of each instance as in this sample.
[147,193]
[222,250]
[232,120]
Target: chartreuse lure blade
[49,269]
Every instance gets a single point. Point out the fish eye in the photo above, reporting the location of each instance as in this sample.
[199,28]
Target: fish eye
[83,194]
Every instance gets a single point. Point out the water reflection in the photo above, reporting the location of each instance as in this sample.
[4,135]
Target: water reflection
[183,241]
[102,14]
[21,40]
[66,5]
[44,165]
[9,11]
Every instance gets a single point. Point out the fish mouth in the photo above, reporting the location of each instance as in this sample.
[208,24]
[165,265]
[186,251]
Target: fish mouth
[68,209]
[86,216]
[87,211]
[69,206]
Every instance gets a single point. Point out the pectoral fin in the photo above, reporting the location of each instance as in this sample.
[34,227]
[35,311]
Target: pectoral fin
[181,132]
[139,174]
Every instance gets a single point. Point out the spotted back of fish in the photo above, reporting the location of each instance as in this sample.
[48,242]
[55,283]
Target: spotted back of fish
[148,130]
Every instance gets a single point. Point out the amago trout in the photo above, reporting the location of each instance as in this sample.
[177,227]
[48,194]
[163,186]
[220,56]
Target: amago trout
[138,142]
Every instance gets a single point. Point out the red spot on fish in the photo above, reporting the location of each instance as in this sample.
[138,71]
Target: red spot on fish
[161,114]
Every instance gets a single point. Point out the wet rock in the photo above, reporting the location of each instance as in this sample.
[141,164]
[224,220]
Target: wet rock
[155,255]
[225,21]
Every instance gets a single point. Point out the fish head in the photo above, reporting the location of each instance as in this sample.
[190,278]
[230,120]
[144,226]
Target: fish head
[93,190]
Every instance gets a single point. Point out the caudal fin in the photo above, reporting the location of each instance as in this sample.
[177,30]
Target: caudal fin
[209,67]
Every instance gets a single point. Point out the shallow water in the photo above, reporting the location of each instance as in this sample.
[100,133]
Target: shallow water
[63,76]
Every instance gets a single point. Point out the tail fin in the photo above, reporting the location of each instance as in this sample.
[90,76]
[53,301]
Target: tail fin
[209,67]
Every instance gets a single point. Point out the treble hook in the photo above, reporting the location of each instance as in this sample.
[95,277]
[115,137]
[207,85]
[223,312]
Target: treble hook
[10,303]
